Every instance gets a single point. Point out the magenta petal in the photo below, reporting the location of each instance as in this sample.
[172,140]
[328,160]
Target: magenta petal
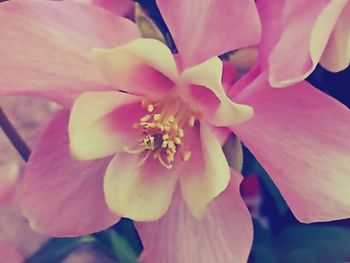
[59,195]
[224,233]
[301,137]
[206,28]
[46,47]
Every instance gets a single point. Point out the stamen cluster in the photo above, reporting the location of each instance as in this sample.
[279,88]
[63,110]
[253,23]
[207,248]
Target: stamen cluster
[162,132]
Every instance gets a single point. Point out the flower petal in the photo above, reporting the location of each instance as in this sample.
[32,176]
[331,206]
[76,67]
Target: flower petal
[101,123]
[140,192]
[10,253]
[208,95]
[204,29]
[9,173]
[301,137]
[206,174]
[336,55]
[143,67]
[304,31]
[224,234]
[61,196]
[46,47]
[120,7]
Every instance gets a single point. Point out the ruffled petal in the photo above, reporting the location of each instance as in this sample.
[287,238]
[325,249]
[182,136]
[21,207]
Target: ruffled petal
[46,47]
[224,234]
[143,67]
[296,35]
[336,55]
[101,124]
[204,29]
[301,137]
[61,196]
[206,93]
[139,191]
[206,174]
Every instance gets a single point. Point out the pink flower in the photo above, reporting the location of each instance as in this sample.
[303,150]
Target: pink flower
[285,133]
[118,7]
[296,35]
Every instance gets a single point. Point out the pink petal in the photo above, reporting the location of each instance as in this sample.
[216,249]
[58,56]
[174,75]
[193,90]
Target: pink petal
[305,27]
[336,55]
[204,29]
[140,192]
[119,7]
[46,47]
[143,67]
[224,234]
[301,137]
[101,124]
[207,95]
[9,173]
[10,253]
[229,75]
[206,174]
[59,195]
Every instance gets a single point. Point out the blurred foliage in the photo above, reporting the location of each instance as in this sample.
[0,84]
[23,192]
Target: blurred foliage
[301,243]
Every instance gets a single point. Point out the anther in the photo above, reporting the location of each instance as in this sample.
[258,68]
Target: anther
[156,117]
[181,133]
[171,144]
[150,108]
[186,156]
[177,140]
[145,118]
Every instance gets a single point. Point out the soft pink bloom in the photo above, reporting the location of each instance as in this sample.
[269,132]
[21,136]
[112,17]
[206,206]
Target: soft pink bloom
[296,35]
[118,7]
[285,133]
[9,253]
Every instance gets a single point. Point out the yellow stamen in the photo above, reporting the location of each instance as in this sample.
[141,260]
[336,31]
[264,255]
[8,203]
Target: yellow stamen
[181,132]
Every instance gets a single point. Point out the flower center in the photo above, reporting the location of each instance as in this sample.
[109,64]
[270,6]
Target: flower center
[162,131]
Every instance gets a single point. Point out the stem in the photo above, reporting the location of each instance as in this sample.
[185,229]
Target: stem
[14,137]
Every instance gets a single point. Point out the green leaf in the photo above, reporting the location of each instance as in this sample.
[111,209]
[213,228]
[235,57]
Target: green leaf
[117,245]
[57,249]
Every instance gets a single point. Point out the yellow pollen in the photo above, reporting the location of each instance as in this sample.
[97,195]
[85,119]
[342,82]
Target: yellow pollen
[156,117]
[164,144]
[181,132]
[171,145]
[150,108]
[177,140]
[145,118]
[187,156]
[162,133]
[171,118]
